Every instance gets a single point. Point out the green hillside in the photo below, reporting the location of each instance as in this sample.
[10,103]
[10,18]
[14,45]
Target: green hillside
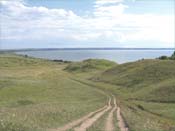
[90,65]
[147,79]
[161,92]
[146,90]
[37,95]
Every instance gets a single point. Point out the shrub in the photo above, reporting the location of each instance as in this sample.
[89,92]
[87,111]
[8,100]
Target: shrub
[163,58]
[173,56]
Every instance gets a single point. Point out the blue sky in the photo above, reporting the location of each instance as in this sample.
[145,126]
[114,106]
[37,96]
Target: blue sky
[86,23]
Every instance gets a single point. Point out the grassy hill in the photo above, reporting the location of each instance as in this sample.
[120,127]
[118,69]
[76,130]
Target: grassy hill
[37,94]
[146,90]
[90,65]
[139,74]
[155,78]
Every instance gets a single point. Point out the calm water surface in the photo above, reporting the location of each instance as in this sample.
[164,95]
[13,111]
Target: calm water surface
[119,56]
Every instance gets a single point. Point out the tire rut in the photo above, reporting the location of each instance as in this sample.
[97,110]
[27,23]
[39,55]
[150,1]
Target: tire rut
[90,121]
[109,126]
[121,123]
[80,120]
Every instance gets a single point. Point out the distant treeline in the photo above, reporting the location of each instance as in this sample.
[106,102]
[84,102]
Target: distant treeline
[62,61]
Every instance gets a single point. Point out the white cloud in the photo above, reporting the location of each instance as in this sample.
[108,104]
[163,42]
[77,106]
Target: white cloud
[20,21]
[103,2]
[108,22]
[111,11]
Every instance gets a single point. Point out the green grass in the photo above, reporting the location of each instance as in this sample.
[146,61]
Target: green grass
[140,73]
[36,94]
[90,65]
[160,92]
[151,77]
[146,90]
[160,109]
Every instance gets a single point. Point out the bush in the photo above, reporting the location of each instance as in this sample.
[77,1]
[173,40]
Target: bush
[167,58]
[173,56]
[163,58]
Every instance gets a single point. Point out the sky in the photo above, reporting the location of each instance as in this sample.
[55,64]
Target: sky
[87,23]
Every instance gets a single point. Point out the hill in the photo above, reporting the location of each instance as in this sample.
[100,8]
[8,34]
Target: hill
[146,90]
[90,65]
[37,94]
[149,79]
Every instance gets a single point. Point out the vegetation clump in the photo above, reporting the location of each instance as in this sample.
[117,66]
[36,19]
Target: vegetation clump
[172,57]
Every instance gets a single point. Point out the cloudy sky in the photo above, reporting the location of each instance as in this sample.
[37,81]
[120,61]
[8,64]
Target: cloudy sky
[86,23]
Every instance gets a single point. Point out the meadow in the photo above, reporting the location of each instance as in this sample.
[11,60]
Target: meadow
[36,94]
[40,95]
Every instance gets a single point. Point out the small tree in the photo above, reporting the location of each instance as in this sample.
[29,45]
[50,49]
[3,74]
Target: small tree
[173,56]
[163,57]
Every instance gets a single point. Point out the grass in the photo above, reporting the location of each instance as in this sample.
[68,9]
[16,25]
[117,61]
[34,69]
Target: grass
[37,94]
[144,82]
[155,76]
[90,65]
[146,90]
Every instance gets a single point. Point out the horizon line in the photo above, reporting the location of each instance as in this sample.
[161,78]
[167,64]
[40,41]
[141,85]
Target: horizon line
[90,48]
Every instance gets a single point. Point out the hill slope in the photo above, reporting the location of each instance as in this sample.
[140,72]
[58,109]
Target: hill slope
[37,94]
[90,65]
[155,78]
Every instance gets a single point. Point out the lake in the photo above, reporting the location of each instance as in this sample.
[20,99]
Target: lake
[119,56]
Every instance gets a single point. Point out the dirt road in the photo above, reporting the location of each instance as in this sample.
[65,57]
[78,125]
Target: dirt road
[121,124]
[110,119]
[90,121]
[85,122]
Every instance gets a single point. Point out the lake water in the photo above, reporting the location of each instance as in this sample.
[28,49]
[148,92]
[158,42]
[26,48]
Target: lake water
[119,56]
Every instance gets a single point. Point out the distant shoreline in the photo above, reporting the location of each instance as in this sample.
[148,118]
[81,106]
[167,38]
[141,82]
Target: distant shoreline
[46,49]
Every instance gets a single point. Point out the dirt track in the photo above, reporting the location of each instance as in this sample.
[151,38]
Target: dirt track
[110,119]
[121,124]
[89,122]
[78,121]
[85,122]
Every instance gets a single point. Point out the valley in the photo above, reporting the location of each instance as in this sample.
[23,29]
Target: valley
[92,95]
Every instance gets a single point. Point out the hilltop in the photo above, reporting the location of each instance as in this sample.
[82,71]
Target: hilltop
[149,79]
[90,65]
